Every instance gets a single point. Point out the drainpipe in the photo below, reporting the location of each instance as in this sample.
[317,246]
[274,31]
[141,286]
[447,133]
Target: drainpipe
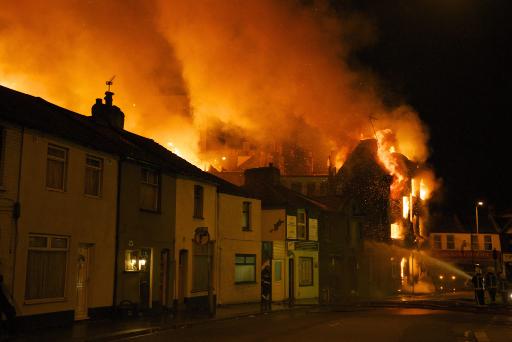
[16,213]
[118,205]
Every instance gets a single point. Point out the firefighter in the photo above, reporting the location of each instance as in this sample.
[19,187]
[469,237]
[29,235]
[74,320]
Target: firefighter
[478,284]
[266,286]
[491,284]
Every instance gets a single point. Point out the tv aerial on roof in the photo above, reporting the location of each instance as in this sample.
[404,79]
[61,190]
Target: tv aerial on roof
[110,82]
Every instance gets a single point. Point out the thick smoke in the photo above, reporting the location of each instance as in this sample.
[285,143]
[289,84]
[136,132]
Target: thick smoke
[274,70]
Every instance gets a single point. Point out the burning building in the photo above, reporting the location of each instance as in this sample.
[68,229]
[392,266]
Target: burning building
[383,194]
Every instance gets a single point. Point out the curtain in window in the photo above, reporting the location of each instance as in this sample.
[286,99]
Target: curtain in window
[55,174]
[46,272]
[92,181]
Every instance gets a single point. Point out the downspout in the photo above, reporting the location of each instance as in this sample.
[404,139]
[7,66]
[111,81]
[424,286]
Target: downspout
[16,212]
[118,214]
[219,248]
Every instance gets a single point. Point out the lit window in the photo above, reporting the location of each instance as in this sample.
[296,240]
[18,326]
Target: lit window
[198,201]
[149,189]
[245,268]
[450,242]
[305,271]
[46,267]
[301,224]
[437,242]
[246,216]
[93,175]
[488,242]
[56,166]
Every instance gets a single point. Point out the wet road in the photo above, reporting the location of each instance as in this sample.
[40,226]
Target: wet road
[383,324]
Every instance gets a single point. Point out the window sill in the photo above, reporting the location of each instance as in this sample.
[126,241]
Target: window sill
[150,211]
[198,291]
[56,190]
[93,196]
[246,282]
[198,217]
[44,301]
[247,229]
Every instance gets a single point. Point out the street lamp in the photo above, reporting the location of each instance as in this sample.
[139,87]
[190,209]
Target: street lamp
[478,204]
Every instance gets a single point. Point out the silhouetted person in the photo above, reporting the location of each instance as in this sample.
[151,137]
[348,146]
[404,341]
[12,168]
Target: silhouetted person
[266,286]
[478,285]
[7,308]
[491,285]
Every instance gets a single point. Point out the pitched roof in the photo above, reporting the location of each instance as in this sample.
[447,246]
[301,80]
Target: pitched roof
[36,113]
[279,196]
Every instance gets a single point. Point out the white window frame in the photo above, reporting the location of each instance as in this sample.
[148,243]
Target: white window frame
[246,216]
[48,248]
[488,237]
[148,182]
[63,160]
[246,263]
[452,247]
[93,168]
[438,241]
[302,233]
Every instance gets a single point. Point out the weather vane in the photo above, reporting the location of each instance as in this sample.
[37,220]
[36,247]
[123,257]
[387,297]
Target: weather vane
[110,82]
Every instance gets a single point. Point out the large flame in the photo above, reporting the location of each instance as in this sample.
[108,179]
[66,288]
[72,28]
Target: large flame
[257,71]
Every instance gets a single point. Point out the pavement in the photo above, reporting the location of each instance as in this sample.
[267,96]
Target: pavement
[117,329]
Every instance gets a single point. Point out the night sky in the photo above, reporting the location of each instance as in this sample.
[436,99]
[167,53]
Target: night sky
[451,60]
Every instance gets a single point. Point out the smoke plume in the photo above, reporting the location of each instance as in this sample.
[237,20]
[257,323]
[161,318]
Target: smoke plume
[267,72]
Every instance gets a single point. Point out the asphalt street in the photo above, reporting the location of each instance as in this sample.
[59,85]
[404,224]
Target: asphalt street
[365,324]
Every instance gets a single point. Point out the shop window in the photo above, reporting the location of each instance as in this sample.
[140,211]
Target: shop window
[56,167]
[245,268]
[278,264]
[93,175]
[135,260]
[305,271]
[46,267]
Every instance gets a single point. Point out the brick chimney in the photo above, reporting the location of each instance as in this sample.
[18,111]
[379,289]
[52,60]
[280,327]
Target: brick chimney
[106,113]
[267,175]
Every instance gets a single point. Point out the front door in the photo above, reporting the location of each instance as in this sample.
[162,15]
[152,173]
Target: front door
[145,278]
[82,282]
[182,285]
[291,278]
[164,277]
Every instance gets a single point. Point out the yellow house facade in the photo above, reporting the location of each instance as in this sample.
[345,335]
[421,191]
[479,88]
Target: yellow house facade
[65,240]
[195,237]
[238,249]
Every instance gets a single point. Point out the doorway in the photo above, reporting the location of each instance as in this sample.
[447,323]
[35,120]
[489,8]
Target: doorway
[145,283]
[291,278]
[182,284]
[164,277]
[82,281]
